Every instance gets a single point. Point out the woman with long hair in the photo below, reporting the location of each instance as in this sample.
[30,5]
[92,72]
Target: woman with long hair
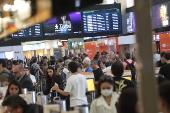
[14,88]
[106,99]
[51,79]
[9,64]
[128,101]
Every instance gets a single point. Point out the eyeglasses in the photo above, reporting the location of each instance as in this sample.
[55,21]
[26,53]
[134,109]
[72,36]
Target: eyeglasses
[15,72]
[25,70]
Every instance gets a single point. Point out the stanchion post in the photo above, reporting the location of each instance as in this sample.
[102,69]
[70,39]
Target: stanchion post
[147,91]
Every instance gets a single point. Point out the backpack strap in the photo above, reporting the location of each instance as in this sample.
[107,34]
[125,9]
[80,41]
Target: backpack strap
[127,62]
[9,75]
[133,63]
[4,72]
[130,63]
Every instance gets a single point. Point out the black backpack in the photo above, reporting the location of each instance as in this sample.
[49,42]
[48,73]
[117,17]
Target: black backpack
[32,70]
[131,66]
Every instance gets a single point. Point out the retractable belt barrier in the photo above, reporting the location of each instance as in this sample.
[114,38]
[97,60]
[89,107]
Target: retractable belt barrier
[40,83]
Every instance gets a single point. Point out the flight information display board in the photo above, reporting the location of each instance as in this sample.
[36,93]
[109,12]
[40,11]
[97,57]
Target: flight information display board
[33,31]
[102,20]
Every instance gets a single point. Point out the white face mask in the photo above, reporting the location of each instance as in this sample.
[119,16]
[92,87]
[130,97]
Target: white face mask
[106,92]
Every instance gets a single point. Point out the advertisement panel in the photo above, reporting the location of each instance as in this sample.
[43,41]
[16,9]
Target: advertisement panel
[164,43]
[90,49]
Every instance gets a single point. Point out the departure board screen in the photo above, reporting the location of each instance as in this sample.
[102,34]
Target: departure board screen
[33,31]
[102,20]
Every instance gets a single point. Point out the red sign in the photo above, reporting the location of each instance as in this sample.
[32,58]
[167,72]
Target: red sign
[90,48]
[165,43]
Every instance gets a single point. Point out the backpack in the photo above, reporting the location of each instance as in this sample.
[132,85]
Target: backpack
[63,75]
[131,66]
[11,76]
[32,70]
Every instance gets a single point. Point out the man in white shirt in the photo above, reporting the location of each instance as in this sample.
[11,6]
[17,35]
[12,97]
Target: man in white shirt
[85,57]
[32,77]
[76,87]
[156,57]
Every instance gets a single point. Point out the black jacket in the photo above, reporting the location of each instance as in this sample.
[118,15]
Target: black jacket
[121,84]
[26,82]
[59,81]
[33,108]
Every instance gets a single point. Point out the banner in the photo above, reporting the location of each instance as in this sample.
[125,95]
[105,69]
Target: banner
[164,43]
[90,49]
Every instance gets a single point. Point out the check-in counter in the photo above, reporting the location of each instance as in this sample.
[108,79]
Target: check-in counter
[91,75]
[88,75]
[157,70]
[127,73]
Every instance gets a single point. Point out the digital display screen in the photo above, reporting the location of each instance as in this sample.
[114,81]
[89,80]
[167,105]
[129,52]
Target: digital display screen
[160,15]
[68,24]
[33,31]
[90,83]
[128,23]
[156,38]
[102,20]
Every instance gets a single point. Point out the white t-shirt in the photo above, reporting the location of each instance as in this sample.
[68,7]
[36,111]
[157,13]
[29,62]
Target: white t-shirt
[156,57]
[66,71]
[107,69]
[76,86]
[32,77]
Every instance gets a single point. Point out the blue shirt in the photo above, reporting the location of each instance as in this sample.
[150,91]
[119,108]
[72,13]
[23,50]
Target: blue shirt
[89,69]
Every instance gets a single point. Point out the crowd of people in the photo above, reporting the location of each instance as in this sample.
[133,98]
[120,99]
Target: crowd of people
[64,77]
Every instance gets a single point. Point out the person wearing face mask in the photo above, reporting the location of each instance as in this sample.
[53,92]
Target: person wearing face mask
[106,99]
[14,88]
